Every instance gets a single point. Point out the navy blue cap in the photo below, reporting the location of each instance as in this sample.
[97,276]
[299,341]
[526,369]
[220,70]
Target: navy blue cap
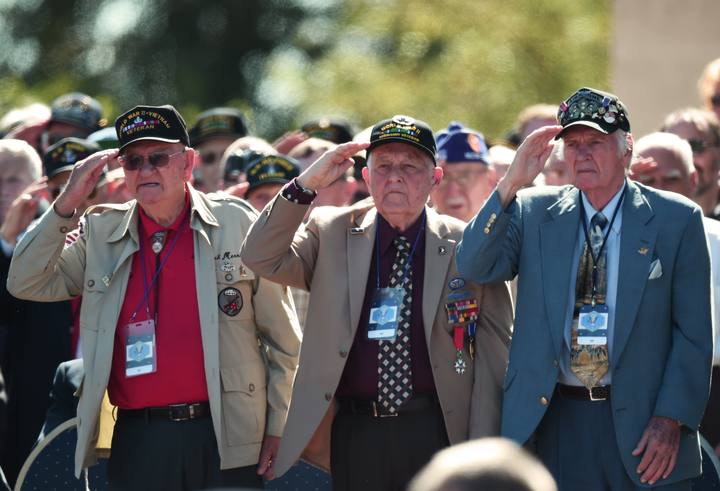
[77,109]
[271,169]
[460,144]
[62,156]
[219,121]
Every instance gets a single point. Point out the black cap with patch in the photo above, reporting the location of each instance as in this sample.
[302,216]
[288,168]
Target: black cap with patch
[272,169]
[62,156]
[77,109]
[332,130]
[596,109]
[403,129]
[156,123]
[220,121]
[238,161]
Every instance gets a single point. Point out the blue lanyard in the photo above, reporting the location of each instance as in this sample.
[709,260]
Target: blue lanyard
[595,260]
[146,287]
[412,251]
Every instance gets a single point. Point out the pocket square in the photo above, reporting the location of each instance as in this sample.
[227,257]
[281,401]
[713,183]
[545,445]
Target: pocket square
[655,270]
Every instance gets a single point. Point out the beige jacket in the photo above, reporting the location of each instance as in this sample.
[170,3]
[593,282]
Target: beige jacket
[331,257]
[250,359]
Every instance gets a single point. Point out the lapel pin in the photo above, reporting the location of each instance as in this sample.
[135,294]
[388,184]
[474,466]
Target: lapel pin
[442,250]
[106,280]
[643,250]
[357,230]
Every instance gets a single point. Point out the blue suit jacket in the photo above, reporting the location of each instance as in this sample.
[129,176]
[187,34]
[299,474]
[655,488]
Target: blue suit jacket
[662,352]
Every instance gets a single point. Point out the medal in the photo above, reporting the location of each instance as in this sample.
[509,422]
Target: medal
[471,328]
[227,266]
[458,341]
[157,241]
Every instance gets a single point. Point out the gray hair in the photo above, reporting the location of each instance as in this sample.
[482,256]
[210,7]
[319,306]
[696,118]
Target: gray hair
[20,153]
[679,147]
[490,463]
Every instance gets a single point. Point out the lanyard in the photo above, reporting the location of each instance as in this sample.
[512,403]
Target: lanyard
[412,251]
[595,260]
[159,265]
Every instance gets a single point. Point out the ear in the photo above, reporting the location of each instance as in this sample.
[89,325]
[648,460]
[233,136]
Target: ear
[366,176]
[191,156]
[437,176]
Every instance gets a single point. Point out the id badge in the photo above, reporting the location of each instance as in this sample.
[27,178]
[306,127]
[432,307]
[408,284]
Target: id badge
[385,313]
[140,356]
[592,325]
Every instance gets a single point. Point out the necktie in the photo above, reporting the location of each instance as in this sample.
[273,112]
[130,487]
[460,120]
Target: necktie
[394,358]
[590,363]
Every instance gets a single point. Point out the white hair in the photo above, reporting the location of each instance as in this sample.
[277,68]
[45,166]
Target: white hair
[622,142]
[671,142]
[20,153]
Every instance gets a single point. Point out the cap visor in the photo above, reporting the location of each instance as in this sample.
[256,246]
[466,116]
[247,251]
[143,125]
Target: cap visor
[67,168]
[150,138]
[589,124]
[267,181]
[391,139]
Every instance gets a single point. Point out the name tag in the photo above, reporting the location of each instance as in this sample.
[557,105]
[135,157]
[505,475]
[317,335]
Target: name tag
[593,325]
[385,313]
[140,356]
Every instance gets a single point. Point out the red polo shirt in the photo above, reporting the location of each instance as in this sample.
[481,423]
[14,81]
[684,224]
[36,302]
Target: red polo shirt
[180,375]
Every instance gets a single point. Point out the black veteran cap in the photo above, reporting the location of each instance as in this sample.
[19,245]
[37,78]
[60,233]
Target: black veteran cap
[272,169]
[333,130]
[158,123]
[594,108]
[403,129]
[62,156]
[219,121]
[239,160]
[77,109]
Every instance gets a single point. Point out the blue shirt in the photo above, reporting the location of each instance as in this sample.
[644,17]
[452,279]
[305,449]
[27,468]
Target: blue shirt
[612,248]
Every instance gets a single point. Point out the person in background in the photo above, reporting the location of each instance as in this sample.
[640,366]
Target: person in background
[468,178]
[530,119]
[709,87]
[556,171]
[266,177]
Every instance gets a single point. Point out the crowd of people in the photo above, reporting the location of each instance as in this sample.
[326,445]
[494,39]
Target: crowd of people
[224,306]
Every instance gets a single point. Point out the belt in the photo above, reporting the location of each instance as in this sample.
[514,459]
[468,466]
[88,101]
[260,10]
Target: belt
[173,412]
[599,393]
[373,408]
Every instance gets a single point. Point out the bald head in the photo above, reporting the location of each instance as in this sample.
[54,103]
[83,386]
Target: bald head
[664,161]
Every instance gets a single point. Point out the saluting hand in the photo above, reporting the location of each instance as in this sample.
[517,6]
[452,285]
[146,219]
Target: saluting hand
[23,210]
[330,166]
[529,161]
[85,175]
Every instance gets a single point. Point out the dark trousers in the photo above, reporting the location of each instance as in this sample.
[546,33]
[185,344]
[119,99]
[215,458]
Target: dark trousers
[576,442]
[383,454]
[710,425]
[159,454]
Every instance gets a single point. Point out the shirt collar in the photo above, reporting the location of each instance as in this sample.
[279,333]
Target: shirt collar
[150,226]
[388,234]
[609,209]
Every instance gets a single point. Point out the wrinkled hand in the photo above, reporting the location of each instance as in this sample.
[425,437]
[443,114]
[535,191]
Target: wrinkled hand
[30,132]
[529,161]
[289,141]
[330,166]
[238,189]
[659,446]
[23,210]
[268,452]
[82,181]
[641,168]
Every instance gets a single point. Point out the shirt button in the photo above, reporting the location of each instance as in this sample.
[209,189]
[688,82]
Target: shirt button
[228,277]
[251,387]
[64,229]
[543,401]
[91,283]
[343,353]
[328,396]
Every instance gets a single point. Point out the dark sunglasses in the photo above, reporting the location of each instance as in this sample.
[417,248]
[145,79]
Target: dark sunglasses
[715,100]
[698,146]
[209,158]
[156,159]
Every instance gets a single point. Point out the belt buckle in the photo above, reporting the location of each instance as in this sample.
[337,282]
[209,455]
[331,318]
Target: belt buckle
[593,398]
[377,414]
[172,410]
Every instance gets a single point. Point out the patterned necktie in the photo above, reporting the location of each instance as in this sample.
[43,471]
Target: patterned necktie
[590,363]
[394,358]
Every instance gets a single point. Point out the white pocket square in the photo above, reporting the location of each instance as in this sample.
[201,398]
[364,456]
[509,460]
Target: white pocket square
[655,270]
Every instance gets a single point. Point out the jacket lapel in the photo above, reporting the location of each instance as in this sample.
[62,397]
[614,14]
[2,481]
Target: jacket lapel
[637,234]
[360,242]
[557,244]
[439,252]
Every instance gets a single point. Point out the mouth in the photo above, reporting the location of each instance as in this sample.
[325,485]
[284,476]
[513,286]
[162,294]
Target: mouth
[148,185]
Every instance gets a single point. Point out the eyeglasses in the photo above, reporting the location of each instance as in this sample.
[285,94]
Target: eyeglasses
[134,162]
[464,179]
[715,100]
[209,158]
[698,146]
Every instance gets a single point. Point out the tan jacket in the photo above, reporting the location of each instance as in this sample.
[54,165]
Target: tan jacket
[248,382]
[331,257]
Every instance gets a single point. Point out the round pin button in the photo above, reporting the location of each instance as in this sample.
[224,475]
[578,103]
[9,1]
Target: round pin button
[91,283]
[228,277]
[64,229]
[251,387]
[328,396]
[544,401]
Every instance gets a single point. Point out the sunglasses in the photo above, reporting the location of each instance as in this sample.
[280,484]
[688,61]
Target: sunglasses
[209,158]
[156,159]
[715,100]
[698,146]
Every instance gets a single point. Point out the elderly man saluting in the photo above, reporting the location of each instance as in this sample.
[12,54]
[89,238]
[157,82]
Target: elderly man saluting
[412,353]
[195,351]
[610,362]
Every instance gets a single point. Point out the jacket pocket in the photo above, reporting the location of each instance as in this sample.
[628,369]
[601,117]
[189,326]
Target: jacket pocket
[244,396]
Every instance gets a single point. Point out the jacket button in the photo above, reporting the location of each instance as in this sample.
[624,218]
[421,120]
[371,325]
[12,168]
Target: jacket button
[251,387]
[91,283]
[343,353]
[328,396]
[486,230]
[555,363]
[64,229]
[228,277]
[544,401]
